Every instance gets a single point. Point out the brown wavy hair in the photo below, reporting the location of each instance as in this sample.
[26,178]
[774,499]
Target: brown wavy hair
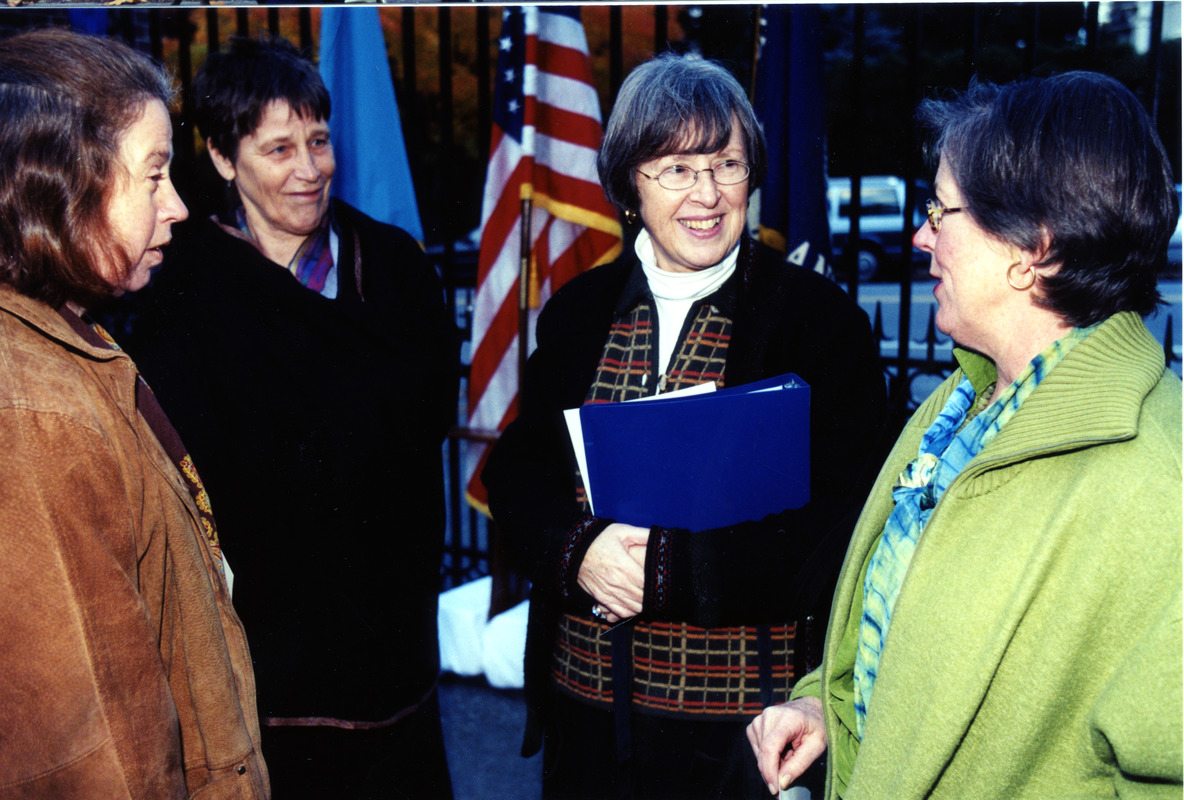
[66,100]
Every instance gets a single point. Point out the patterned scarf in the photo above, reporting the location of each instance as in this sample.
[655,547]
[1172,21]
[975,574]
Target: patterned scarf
[313,259]
[953,439]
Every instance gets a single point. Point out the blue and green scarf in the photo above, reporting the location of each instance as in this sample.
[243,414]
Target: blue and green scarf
[946,448]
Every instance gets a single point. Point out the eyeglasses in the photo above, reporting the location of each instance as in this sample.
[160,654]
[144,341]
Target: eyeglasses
[679,176]
[936,211]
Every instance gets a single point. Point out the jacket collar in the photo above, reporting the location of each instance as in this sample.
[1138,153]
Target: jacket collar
[51,324]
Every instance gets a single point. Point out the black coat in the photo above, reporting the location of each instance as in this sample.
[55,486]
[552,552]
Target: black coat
[316,425]
[778,569]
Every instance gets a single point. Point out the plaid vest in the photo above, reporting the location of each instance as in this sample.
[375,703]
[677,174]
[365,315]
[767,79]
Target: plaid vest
[676,669]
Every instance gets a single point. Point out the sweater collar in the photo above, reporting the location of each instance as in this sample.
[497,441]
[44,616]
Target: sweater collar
[681,286]
[637,287]
[1107,375]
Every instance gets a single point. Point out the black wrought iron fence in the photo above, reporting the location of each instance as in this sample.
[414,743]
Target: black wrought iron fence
[880,61]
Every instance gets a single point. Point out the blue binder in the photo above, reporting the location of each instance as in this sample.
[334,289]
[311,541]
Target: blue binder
[703,461]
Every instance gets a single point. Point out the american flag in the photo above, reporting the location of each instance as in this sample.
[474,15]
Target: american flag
[546,130]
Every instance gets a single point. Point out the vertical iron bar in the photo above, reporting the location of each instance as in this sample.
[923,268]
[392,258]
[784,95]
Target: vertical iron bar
[212,30]
[273,21]
[183,144]
[616,70]
[661,28]
[1033,39]
[757,21]
[1169,354]
[878,324]
[855,207]
[485,67]
[447,197]
[912,46]
[447,135]
[409,51]
[931,338]
[242,22]
[1155,59]
[973,31]
[448,567]
[155,35]
[1091,34]
[304,16]
[524,237]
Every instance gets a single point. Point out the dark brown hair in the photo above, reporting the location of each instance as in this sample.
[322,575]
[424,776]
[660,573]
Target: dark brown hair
[1073,157]
[232,89]
[66,100]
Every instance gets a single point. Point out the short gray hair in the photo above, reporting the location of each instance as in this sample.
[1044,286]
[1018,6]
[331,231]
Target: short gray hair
[661,105]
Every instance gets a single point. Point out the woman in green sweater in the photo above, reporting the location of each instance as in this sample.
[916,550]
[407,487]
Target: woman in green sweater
[1008,620]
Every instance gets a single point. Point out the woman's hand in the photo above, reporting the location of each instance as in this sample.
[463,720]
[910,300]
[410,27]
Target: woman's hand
[613,570]
[796,725]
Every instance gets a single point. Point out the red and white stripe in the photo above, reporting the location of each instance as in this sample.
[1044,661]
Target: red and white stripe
[573,227]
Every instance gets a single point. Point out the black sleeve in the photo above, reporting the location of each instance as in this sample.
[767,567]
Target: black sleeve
[530,474]
[429,351]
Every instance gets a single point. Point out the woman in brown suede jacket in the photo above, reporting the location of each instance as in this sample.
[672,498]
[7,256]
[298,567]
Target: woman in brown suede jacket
[124,671]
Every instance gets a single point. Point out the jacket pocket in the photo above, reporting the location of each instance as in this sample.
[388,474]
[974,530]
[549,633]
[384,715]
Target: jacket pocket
[240,781]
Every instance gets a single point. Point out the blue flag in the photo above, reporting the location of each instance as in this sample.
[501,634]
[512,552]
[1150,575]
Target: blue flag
[790,102]
[373,174]
[91,21]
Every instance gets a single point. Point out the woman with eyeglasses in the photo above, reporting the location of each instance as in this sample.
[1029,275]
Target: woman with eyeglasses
[659,705]
[1007,622]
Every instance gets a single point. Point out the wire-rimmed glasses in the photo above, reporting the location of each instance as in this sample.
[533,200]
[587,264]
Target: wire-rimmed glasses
[679,176]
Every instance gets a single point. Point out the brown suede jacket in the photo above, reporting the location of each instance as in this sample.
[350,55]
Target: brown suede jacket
[124,671]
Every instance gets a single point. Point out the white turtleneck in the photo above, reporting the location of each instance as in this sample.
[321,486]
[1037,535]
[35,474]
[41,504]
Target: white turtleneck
[675,292]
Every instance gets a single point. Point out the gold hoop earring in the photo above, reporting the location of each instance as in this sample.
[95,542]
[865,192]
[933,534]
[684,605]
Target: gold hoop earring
[1031,274]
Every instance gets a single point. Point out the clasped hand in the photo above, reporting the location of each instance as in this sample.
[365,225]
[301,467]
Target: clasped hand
[613,570]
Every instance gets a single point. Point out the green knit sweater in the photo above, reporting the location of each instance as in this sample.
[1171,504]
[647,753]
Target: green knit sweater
[1036,645]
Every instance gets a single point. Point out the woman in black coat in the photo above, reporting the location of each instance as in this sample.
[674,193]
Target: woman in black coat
[717,619]
[307,356]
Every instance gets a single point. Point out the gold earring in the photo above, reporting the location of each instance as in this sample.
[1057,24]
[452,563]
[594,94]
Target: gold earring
[630,216]
[1031,274]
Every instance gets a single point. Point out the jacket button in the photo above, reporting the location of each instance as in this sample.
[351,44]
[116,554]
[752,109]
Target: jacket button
[242,770]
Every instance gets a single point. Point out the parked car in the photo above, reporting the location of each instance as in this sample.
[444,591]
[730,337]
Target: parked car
[883,223]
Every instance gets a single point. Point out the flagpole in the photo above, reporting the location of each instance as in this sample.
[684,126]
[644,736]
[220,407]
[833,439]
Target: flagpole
[523,290]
